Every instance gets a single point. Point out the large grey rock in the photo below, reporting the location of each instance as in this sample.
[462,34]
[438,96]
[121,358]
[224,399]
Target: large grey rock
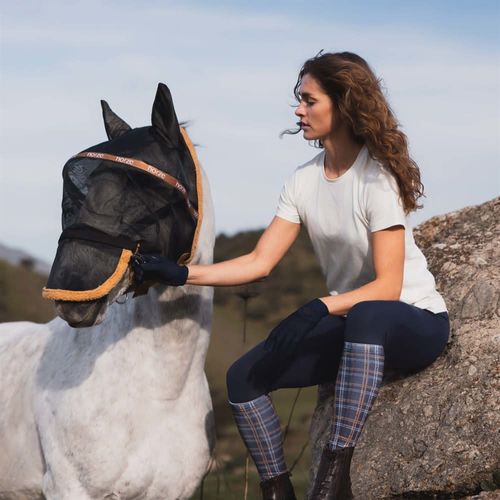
[436,434]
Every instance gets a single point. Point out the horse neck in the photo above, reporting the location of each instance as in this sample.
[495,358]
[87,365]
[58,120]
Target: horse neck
[160,309]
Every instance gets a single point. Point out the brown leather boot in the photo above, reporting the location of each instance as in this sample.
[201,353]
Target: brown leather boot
[333,481]
[278,488]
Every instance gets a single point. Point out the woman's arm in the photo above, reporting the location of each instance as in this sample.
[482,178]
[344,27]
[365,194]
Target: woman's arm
[256,265]
[388,246]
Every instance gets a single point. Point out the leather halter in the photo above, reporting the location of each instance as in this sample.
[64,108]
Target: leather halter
[145,167]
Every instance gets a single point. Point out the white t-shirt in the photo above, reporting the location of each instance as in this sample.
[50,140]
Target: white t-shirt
[340,214]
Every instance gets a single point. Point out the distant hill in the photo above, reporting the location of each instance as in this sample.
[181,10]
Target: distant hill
[21,293]
[15,257]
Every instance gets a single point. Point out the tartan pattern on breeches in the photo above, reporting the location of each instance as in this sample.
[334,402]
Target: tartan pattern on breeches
[357,385]
[260,430]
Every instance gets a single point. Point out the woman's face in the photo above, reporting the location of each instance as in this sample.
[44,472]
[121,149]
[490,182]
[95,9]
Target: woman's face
[315,110]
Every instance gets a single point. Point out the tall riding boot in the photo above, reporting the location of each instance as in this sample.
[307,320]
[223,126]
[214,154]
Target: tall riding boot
[333,481]
[278,488]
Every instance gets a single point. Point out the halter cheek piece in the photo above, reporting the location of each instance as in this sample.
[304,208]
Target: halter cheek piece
[129,246]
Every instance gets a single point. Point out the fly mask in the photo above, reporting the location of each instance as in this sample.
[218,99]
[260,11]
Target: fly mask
[140,190]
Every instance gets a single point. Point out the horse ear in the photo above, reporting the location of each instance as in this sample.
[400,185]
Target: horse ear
[163,117]
[115,126]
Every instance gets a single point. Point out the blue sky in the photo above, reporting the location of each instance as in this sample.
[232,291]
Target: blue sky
[231,67]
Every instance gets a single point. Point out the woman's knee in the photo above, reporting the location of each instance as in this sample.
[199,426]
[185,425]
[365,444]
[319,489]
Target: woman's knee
[239,385]
[418,345]
[234,377]
[367,322]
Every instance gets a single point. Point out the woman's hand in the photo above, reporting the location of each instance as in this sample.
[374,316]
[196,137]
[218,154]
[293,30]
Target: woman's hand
[296,326]
[158,268]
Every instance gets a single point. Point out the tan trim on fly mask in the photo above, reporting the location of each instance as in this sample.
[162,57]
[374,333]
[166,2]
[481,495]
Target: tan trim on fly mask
[186,259]
[102,290]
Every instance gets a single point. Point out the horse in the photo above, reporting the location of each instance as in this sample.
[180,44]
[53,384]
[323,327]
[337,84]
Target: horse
[109,400]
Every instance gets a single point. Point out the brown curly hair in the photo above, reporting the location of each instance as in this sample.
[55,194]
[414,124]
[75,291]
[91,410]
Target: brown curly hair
[357,96]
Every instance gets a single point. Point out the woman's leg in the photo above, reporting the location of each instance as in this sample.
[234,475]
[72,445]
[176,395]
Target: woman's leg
[376,334]
[314,361]
[380,334]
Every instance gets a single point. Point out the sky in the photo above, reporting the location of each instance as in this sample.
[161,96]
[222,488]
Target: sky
[231,67]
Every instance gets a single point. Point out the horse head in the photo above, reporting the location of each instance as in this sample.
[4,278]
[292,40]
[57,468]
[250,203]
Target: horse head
[137,192]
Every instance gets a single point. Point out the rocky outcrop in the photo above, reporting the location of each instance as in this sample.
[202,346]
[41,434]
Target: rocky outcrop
[435,434]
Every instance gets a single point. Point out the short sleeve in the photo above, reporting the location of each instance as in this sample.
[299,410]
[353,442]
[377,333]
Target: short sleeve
[287,206]
[384,207]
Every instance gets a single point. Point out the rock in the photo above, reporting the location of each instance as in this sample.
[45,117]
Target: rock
[435,434]
[485,495]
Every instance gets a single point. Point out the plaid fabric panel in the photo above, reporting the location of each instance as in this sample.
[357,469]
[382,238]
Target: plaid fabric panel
[358,382]
[260,430]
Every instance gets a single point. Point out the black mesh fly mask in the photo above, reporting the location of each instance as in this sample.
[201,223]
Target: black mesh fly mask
[139,191]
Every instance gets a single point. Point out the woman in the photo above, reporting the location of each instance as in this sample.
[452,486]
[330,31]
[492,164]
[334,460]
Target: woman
[383,311]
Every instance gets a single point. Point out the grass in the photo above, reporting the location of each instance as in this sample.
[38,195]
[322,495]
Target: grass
[21,295]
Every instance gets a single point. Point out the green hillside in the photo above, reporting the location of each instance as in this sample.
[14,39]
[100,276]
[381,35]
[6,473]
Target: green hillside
[21,294]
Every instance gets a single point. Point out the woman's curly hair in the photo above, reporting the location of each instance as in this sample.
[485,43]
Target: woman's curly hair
[357,96]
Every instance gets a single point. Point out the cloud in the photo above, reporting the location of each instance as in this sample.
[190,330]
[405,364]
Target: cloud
[232,74]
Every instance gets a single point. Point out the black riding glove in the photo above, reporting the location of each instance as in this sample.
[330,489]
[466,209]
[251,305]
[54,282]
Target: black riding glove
[158,268]
[295,327]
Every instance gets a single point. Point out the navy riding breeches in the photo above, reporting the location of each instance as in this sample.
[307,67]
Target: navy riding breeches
[412,339]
